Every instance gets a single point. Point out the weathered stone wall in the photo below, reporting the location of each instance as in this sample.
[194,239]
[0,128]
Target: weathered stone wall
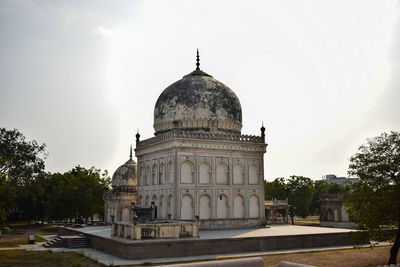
[184,248]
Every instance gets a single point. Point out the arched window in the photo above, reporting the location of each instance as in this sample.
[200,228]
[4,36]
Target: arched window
[163,207]
[170,207]
[140,201]
[154,174]
[254,207]
[140,174]
[205,207]
[253,174]
[187,172]
[170,173]
[147,202]
[125,215]
[222,207]
[222,173]
[147,175]
[205,171]
[161,178]
[238,174]
[187,208]
[238,207]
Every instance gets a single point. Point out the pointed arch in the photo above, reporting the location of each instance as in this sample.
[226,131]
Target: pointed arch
[238,174]
[254,207]
[222,173]
[147,175]
[205,207]
[204,173]
[161,176]
[154,174]
[253,174]
[238,207]
[187,208]
[222,207]
[170,172]
[170,207]
[187,172]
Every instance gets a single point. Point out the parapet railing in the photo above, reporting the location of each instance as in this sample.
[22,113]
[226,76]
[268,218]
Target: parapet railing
[330,197]
[177,133]
[275,201]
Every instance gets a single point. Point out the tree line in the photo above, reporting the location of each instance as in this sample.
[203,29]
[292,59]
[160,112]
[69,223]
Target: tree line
[301,192]
[28,192]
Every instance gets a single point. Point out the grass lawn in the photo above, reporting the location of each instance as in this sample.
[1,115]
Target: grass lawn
[44,258]
[19,240]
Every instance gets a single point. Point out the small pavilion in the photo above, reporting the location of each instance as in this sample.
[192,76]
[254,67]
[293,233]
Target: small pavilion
[277,211]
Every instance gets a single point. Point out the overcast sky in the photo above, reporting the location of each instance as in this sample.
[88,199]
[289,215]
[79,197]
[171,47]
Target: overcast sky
[83,76]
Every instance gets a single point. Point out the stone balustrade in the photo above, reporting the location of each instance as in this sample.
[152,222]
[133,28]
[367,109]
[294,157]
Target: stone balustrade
[155,230]
[178,133]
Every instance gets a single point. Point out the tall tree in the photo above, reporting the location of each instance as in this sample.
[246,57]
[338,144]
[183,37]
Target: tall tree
[21,163]
[299,191]
[275,189]
[374,202]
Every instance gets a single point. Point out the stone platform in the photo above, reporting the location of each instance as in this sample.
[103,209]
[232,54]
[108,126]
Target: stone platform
[215,241]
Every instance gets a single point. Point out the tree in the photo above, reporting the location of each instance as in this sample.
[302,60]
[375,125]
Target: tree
[21,163]
[7,199]
[275,189]
[320,187]
[77,194]
[299,192]
[374,202]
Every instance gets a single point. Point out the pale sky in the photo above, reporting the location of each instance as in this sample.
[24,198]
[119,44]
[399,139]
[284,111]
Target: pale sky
[83,76]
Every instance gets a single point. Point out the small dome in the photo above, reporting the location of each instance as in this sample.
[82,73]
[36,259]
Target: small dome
[198,102]
[125,178]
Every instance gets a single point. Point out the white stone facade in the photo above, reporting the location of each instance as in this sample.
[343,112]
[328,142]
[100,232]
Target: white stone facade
[218,177]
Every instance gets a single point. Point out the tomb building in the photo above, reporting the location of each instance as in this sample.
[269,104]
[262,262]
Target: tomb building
[117,203]
[199,165]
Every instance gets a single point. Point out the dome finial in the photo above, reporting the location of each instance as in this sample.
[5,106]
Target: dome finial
[197,60]
[262,131]
[130,153]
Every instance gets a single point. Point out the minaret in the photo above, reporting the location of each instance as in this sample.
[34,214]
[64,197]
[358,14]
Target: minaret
[262,131]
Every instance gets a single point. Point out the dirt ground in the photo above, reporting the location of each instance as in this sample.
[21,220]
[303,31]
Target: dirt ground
[19,232]
[337,258]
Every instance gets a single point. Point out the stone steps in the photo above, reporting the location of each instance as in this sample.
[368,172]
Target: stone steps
[74,241]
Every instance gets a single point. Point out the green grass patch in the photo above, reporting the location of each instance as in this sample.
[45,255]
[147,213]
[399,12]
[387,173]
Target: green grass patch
[20,241]
[45,258]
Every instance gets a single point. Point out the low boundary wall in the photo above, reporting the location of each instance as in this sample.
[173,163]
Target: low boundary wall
[183,248]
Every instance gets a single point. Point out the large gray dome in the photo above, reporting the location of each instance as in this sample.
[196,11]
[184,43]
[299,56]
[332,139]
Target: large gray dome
[198,102]
[125,178]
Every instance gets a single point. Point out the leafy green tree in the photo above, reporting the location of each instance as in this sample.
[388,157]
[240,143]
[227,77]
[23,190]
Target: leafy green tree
[77,194]
[21,163]
[300,192]
[374,202]
[320,187]
[275,189]
[7,199]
